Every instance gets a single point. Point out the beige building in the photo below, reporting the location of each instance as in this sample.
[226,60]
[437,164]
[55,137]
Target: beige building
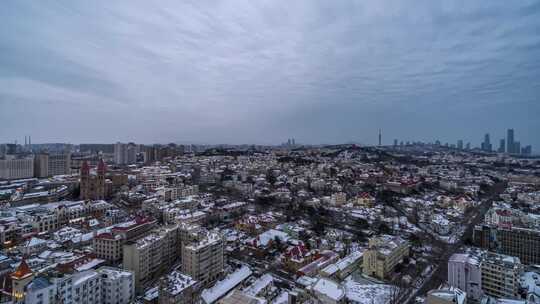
[501,275]
[202,258]
[178,288]
[152,255]
[109,245]
[383,255]
[46,164]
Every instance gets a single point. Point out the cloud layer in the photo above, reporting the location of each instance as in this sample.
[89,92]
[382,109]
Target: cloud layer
[240,71]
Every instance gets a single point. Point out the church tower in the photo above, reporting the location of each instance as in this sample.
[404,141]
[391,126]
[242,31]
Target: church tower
[85,181]
[100,181]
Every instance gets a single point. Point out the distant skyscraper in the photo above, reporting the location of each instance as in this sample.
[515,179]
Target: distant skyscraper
[510,141]
[395,142]
[120,153]
[486,145]
[517,147]
[460,144]
[468,146]
[502,146]
[380,138]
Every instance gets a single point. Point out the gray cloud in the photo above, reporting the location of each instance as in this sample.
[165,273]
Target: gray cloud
[261,71]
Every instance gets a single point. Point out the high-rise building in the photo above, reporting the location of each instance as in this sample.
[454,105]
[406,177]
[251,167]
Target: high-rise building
[486,145]
[526,150]
[51,164]
[519,242]
[460,144]
[149,257]
[517,147]
[120,153]
[395,142]
[117,285]
[380,138]
[464,272]
[468,146]
[510,141]
[16,167]
[202,258]
[502,146]
[501,275]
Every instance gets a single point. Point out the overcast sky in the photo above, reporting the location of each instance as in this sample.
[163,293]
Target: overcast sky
[254,71]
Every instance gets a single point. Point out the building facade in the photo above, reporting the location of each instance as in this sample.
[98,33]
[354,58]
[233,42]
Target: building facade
[93,186]
[202,259]
[12,167]
[519,242]
[383,255]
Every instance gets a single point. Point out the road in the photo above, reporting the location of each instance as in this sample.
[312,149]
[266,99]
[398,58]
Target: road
[441,273]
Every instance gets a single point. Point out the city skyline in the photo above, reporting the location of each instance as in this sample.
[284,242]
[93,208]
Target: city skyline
[244,72]
[506,144]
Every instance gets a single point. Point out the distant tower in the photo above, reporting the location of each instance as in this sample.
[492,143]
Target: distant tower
[93,186]
[100,182]
[510,141]
[380,138]
[486,145]
[85,180]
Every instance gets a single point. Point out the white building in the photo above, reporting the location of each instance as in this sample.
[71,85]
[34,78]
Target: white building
[117,285]
[16,168]
[464,273]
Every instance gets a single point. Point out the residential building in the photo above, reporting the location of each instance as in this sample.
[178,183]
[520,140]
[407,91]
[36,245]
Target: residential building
[464,272]
[501,275]
[51,164]
[514,241]
[109,245]
[16,167]
[150,256]
[383,255]
[178,288]
[118,286]
[202,258]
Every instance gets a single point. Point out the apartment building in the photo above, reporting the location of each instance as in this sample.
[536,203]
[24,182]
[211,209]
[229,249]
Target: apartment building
[178,288]
[464,272]
[514,241]
[109,245]
[501,275]
[383,255]
[46,164]
[118,285]
[15,167]
[107,285]
[202,258]
[152,255]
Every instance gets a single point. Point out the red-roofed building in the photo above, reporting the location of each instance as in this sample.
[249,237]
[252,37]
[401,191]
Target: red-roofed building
[22,276]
